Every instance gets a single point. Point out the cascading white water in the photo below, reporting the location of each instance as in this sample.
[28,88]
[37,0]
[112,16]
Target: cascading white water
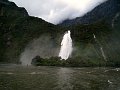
[66,46]
[101,49]
[103,54]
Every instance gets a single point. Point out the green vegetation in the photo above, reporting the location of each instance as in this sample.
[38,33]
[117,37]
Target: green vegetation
[73,62]
[17,29]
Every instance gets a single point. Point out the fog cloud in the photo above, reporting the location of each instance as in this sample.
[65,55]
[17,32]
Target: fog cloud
[44,47]
[55,11]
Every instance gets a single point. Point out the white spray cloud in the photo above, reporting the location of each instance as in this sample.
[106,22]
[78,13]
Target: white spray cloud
[43,47]
[55,11]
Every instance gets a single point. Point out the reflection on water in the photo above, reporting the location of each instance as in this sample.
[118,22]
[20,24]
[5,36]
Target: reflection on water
[64,77]
[14,77]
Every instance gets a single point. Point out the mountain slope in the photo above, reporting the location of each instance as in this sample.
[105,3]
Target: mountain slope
[106,11]
[23,36]
[17,29]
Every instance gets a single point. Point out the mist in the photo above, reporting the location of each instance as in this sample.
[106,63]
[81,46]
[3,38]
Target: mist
[44,47]
[56,11]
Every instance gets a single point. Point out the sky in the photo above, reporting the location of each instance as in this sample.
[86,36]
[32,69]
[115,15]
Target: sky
[56,11]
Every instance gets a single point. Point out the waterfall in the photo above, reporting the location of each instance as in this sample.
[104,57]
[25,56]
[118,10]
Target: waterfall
[101,49]
[103,54]
[66,46]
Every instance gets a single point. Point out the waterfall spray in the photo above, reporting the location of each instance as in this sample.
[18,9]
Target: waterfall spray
[66,46]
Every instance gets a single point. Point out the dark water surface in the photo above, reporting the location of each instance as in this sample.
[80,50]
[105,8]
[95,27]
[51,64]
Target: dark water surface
[13,77]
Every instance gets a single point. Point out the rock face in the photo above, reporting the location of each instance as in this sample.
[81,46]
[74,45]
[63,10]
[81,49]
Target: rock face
[105,11]
[95,41]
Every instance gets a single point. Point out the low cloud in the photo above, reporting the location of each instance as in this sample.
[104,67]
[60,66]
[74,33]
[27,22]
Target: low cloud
[56,11]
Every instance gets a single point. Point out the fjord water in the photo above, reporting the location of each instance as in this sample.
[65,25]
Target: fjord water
[13,77]
[66,46]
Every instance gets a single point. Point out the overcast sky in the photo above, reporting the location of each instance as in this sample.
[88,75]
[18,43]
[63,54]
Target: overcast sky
[55,11]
